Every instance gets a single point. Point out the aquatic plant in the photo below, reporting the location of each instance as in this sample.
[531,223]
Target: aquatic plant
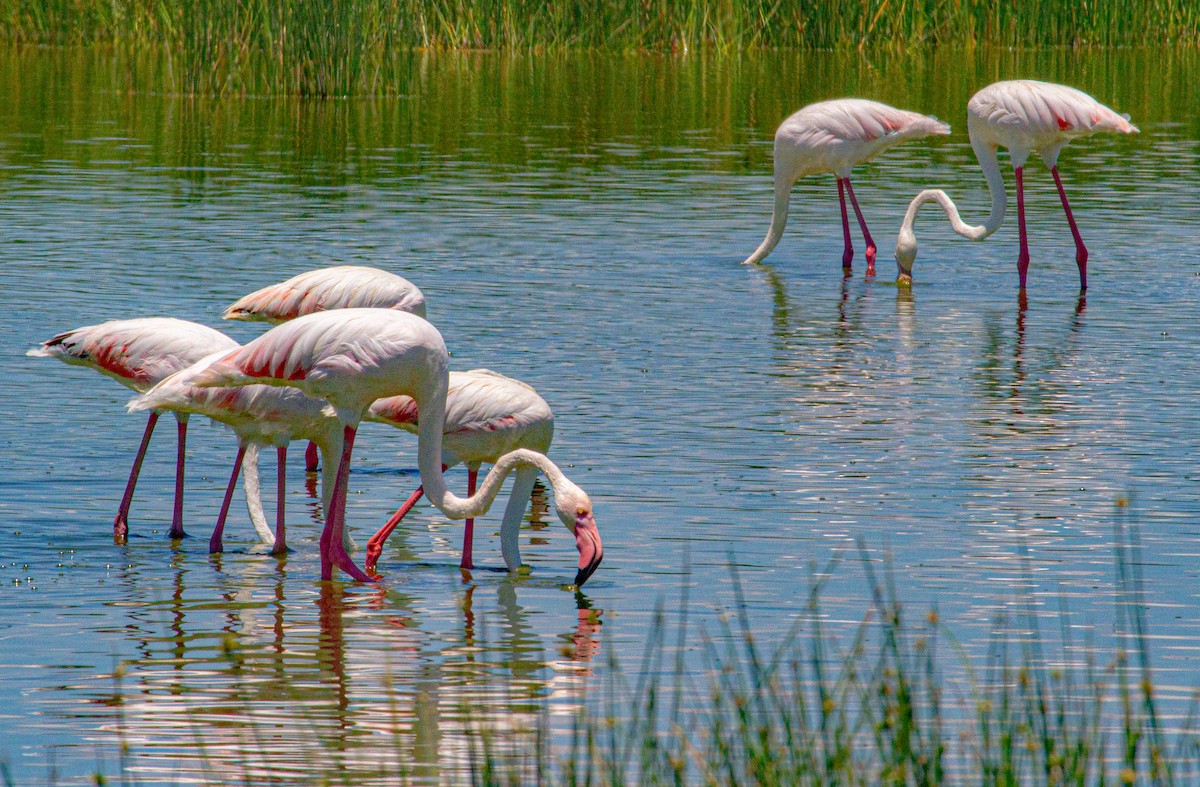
[358,46]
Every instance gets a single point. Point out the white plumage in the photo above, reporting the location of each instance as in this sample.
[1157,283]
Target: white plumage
[833,137]
[338,287]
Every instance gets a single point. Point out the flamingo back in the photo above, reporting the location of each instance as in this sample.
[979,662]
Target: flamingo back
[487,415]
[834,136]
[339,287]
[1026,115]
[137,353]
[351,357]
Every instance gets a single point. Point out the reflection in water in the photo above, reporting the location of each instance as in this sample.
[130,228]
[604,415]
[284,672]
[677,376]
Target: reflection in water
[250,672]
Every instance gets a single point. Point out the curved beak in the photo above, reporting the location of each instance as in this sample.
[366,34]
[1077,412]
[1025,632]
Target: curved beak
[591,551]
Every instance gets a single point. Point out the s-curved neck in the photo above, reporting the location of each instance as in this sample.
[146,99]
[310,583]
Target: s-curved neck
[989,162]
[432,407]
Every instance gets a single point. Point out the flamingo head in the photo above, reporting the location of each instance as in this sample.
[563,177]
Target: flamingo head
[906,255]
[574,508]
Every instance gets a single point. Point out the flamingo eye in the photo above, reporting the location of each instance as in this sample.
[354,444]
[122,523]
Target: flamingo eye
[581,511]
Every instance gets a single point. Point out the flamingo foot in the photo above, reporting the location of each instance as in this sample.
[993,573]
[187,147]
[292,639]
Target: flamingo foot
[176,531]
[120,530]
[337,556]
[215,545]
[847,257]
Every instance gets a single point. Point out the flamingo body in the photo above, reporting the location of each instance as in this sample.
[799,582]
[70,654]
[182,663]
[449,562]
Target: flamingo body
[260,415]
[352,357]
[834,137]
[139,353]
[487,416]
[1024,117]
[338,287]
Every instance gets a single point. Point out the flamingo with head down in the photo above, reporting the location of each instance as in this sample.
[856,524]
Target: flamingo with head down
[1023,116]
[835,136]
[487,415]
[139,353]
[352,357]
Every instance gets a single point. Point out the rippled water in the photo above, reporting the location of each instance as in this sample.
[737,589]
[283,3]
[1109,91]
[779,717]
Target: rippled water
[577,222]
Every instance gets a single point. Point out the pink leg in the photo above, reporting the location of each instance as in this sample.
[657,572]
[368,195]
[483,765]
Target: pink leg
[469,533]
[214,543]
[866,233]
[121,523]
[280,546]
[1023,256]
[375,545]
[333,551]
[1081,252]
[177,518]
[310,458]
[848,253]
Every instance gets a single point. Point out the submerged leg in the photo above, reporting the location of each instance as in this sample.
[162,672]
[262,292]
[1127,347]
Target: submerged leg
[469,533]
[310,458]
[280,545]
[862,223]
[375,545]
[848,252]
[214,542]
[177,517]
[121,522]
[1023,255]
[333,550]
[1081,252]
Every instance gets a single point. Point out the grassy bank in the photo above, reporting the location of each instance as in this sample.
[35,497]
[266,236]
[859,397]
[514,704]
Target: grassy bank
[348,46]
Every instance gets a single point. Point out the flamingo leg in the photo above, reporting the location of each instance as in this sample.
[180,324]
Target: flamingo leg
[375,545]
[469,533]
[121,522]
[280,545]
[1081,252]
[310,458]
[1023,256]
[333,550]
[848,252]
[862,223]
[176,530]
[214,543]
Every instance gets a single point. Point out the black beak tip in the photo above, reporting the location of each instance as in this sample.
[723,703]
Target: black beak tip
[584,573]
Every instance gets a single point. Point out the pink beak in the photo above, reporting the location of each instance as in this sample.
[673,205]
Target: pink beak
[591,551]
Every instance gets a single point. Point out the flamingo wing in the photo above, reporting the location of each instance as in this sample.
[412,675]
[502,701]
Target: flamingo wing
[339,287]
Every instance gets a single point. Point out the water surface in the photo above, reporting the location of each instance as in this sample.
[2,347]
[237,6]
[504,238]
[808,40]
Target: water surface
[577,222]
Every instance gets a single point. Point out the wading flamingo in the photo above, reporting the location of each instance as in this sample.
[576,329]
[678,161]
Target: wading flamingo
[487,415]
[323,289]
[139,353]
[351,357]
[260,415]
[834,136]
[1025,117]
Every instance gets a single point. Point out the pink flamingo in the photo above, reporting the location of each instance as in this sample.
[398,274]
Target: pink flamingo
[351,357]
[260,415]
[1025,117]
[138,353]
[337,287]
[834,136]
[487,415]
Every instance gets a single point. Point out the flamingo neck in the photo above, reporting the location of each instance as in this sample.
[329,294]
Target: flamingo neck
[906,242]
[783,191]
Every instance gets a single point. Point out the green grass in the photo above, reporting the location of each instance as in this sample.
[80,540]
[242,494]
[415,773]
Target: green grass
[344,47]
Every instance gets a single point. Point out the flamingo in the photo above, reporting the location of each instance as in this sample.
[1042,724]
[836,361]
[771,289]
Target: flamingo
[260,415]
[336,287]
[834,136]
[1023,116]
[138,353]
[487,415]
[351,357]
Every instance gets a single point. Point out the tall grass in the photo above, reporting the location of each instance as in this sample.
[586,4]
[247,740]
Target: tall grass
[341,47]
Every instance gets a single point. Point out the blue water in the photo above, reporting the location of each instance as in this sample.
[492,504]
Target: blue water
[587,241]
